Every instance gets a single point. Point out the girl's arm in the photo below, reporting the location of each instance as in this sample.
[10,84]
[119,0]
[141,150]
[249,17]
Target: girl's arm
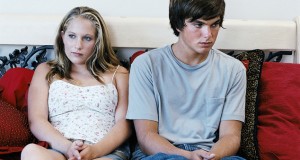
[121,131]
[38,111]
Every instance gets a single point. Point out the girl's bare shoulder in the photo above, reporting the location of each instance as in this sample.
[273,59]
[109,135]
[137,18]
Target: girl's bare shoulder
[43,67]
[122,69]
[42,70]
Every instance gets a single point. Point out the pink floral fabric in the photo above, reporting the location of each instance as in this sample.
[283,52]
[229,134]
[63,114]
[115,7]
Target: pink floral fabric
[86,113]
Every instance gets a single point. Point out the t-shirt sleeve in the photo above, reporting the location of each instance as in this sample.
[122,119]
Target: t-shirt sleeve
[142,104]
[234,108]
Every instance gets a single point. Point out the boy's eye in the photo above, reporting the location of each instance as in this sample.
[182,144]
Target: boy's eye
[216,24]
[198,25]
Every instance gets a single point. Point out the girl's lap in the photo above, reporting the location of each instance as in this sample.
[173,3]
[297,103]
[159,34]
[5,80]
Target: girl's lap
[34,151]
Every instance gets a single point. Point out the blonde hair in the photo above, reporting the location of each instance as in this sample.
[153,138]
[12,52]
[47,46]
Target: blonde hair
[103,57]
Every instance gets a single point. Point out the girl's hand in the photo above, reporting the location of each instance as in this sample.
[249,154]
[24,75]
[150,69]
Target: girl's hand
[73,152]
[88,153]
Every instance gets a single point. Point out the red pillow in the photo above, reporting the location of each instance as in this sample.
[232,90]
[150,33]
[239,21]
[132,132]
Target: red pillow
[279,112]
[14,128]
[246,63]
[15,83]
[136,54]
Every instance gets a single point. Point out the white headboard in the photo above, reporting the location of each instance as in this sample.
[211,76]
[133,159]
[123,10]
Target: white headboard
[156,32]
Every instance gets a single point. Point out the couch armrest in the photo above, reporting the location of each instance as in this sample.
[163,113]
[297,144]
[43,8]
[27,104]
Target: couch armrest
[21,58]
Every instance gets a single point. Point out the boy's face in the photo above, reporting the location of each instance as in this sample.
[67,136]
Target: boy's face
[200,35]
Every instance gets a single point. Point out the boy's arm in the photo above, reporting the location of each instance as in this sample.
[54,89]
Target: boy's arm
[151,142]
[229,139]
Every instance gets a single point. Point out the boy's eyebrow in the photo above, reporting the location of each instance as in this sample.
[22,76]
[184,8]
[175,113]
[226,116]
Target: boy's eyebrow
[204,21]
[217,21]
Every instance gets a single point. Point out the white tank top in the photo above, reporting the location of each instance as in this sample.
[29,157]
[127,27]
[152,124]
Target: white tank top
[86,113]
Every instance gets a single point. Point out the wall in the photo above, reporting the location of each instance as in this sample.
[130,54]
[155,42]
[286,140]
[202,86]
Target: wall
[235,9]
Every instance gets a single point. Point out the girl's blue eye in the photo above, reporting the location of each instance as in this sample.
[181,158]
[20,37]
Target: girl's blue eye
[72,36]
[88,38]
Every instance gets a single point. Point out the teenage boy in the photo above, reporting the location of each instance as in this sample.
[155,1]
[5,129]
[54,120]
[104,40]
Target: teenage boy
[186,99]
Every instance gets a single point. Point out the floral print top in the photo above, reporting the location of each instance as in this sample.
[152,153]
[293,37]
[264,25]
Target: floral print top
[86,113]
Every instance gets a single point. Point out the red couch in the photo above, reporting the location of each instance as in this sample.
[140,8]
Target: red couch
[279,112]
[271,130]
[15,133]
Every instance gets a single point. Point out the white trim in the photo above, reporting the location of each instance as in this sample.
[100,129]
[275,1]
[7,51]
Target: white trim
[154,32]
[297,56]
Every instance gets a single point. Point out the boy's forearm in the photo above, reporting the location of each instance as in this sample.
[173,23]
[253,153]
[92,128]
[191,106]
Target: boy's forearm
[226,146]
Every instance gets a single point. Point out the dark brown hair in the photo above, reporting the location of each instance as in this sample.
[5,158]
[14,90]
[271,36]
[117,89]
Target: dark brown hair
[180,10]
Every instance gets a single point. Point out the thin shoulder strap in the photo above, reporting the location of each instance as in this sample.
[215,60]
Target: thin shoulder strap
[112,79]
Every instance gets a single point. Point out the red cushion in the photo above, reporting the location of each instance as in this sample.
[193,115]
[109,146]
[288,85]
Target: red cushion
[15,83]
[14,127]
[246,63]
[279,112]
[136,54]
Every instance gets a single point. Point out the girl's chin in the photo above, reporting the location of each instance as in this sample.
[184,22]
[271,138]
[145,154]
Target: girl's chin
[77,61]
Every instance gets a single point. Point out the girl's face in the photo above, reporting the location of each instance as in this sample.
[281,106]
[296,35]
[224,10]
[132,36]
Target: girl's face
[79,40]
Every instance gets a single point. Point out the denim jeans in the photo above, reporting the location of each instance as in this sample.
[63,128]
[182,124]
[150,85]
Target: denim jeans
[139,155]
[121,153]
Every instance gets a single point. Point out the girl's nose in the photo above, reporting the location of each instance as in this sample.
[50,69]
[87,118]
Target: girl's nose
[78,45]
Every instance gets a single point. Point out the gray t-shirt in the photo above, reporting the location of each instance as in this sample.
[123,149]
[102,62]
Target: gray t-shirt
[188,102]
